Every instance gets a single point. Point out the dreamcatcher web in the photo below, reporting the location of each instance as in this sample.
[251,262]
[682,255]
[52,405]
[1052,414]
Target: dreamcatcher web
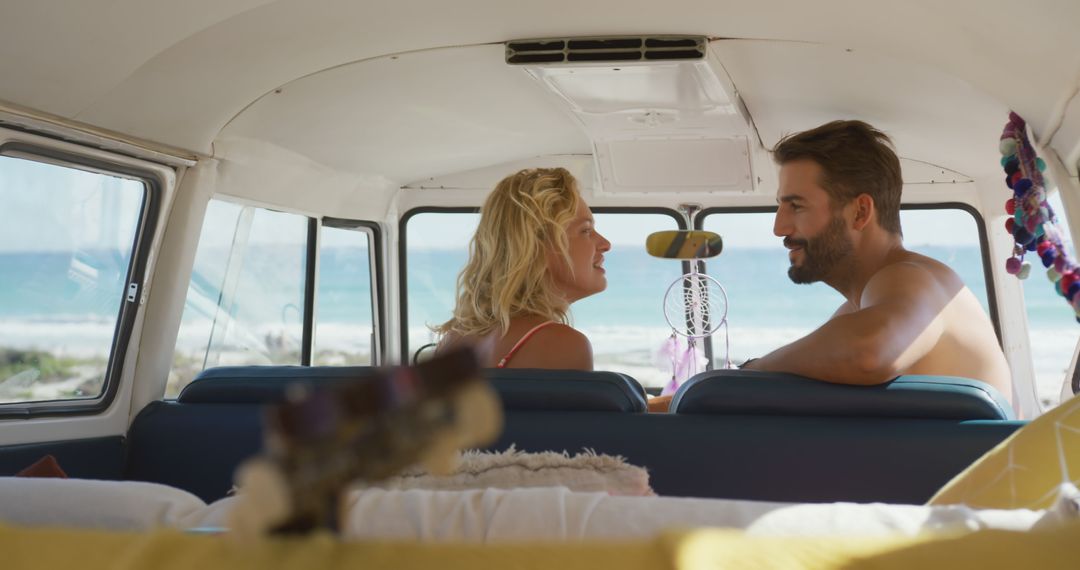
[695,307]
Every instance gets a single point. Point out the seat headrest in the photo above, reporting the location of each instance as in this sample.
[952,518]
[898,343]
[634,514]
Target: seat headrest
[566,390]
[750,392]
[264,384]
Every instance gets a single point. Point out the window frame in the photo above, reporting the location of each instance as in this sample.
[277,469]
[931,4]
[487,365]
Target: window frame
[375,273]
[403,281]
[146,228]
[980,225]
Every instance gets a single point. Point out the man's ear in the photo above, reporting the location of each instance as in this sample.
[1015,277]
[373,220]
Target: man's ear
[864,211]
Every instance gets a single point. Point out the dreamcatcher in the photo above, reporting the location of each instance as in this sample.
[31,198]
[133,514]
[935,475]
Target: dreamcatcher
[695,304]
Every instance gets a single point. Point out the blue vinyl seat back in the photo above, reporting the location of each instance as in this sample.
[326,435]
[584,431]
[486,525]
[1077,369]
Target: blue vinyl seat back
[265,384]
[195,447]
[751,392]
[566,390]
[196,442]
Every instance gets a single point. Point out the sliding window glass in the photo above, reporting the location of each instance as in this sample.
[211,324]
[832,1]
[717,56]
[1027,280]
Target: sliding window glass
[245,301]
[66,242]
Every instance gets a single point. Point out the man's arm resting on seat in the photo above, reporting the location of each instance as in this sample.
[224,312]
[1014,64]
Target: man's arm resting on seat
[900,322]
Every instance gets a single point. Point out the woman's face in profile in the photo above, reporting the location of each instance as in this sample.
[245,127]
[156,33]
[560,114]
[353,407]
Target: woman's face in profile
[587,249]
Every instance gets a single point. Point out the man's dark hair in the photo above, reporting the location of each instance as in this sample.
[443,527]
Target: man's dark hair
[856,159]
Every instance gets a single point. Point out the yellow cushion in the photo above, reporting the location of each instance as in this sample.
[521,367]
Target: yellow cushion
[1048,549]
[1025,470]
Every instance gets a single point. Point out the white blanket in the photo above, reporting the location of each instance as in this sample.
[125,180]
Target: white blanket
[490,515]
[493,515]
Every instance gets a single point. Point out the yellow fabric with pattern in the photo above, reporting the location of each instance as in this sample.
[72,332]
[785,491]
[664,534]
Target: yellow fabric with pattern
[696,550]
[1025,470]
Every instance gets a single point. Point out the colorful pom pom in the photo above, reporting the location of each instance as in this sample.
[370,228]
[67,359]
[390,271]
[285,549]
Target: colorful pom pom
[1007,146]
[1012,266]
[1009,225]
[1071,292]
[1052,274]
[1012,166]
[1025,270]
[1022,185]
[1048,260]
[1040,164]
[1025,237]
[1010,206]
[1068,279]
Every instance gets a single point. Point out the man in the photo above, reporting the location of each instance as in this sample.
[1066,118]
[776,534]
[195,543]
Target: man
[839,215]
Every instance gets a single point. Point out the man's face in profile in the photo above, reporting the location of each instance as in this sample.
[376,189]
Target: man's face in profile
[814,232]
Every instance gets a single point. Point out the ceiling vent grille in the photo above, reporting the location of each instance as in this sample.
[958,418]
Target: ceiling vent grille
[620,49]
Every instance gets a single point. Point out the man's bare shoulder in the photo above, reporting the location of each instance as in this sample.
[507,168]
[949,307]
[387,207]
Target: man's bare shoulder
[914,274]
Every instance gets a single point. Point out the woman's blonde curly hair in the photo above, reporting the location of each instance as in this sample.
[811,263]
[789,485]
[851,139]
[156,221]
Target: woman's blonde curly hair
[523,219]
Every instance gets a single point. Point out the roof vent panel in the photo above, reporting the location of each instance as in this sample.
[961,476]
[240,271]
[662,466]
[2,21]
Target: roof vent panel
[661,112]
[619,49]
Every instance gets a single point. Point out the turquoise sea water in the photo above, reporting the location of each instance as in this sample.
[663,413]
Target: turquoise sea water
[47,286]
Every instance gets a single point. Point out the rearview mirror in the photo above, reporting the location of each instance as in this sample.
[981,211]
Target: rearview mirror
[684,244]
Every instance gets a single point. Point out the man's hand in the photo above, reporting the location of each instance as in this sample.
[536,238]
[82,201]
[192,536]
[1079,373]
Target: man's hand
[749,364]
[659,404]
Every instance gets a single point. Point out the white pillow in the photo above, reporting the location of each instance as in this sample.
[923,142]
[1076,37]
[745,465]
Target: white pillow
[511,469]
[86,503]
[879,519]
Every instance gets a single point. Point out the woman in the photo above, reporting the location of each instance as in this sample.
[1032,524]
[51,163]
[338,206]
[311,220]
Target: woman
[535,252]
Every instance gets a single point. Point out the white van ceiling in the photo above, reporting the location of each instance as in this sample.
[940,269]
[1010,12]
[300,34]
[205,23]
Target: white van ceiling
[186,73]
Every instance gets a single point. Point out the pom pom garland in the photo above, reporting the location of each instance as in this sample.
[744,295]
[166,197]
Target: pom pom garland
[1032,222]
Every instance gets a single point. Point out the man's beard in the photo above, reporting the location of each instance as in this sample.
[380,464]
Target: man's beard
[821,253]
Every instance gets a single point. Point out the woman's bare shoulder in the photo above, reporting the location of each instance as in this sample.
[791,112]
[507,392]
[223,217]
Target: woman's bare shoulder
[556,346]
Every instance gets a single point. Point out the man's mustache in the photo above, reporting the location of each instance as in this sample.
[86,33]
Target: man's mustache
[790,243]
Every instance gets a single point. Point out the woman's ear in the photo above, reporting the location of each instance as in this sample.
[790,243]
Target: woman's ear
[864,211]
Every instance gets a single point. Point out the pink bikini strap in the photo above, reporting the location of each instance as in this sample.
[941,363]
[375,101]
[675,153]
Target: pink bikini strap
[520,343]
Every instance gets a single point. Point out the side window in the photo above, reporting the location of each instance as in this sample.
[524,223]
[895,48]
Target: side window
[1052,326]
[625,323]
[344,327]
[66,242]
[436,249]
[246,296]
[766,310]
